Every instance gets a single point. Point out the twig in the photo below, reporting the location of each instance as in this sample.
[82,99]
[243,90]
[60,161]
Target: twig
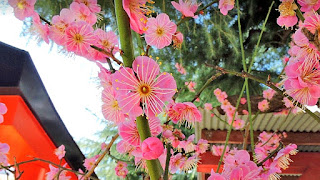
[313,38]
[117,159]
[46,21]
[230,127]
[46,161]
[268,139]
[269,84]
[206,85]
[110,65]
[147,50]
[224,121]
[88,174]
[106,53]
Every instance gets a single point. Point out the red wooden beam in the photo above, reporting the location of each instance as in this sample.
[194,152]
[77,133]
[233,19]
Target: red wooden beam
[236,137]
[27,139]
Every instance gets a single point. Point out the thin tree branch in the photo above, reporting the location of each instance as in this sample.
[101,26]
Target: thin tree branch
[269,84]
[46,161]
[206,85]
[106,53]
[105,152]
[46,21]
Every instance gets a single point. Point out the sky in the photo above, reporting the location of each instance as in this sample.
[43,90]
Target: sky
[70,81]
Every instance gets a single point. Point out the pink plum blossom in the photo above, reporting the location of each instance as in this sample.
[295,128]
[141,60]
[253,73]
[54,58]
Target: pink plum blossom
[217,150]
[110,107]
[243,100]
[52,174]
[129,132]
[287,16]
[60,152]
[176,162]
[190,163]
[180,69]
[22,8]
[105,77]
[221,95]
[89,162]
[215,176]
[4,149]
[302,82]
[309,5]
[42,30]
[3,110]
[121,169]
[82,13]
[124,147]
[151,148]
[191,85]
[184,112]
[306,51]
[186,7]
[177,39]
[245,112]
[238,124]
[79,37]
[225,6]
[137,11]
[282,159]
[107,41]
[160,31]
[202,146]
[148,87]
[208,106]
[263,105]
[188,145]
[91,4]
[268,94]
[59,24]
[239,166]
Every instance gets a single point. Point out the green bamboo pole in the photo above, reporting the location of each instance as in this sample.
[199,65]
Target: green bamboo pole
[123,23]
[154,167]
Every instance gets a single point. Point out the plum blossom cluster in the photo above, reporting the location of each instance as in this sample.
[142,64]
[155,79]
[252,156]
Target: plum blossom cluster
[158,31]
[72,28]
[121,169]
[185,112]
[288,9]
[228,108]
[185,153]
[302,73]
[54,172]
[238,165]
[267,95]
